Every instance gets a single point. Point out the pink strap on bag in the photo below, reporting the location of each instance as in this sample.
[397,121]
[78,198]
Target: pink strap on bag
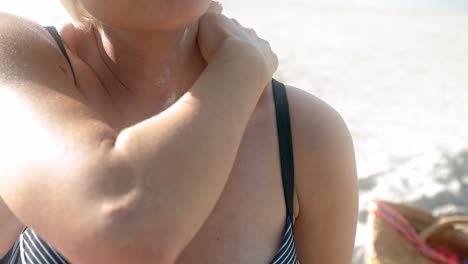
[400,224]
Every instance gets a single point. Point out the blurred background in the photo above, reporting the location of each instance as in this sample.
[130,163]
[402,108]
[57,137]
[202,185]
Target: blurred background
[396,70]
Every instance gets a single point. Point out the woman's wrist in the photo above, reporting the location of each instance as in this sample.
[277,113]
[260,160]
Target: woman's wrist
[245,59]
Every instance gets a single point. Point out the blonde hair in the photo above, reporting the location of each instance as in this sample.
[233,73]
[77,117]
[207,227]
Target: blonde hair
[78,13]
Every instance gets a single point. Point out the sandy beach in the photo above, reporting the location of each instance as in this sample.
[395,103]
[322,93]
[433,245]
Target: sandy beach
[397,71]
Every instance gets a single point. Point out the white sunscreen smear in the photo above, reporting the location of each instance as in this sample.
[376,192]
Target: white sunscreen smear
[184,37]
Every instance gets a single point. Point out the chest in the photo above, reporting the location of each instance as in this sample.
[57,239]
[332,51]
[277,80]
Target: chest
[248,223]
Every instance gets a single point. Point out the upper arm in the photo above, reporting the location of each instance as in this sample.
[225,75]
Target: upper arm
[326,181]
[54,154]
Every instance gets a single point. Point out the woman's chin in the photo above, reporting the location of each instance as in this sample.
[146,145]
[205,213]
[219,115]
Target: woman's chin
[163,16]
[182,13]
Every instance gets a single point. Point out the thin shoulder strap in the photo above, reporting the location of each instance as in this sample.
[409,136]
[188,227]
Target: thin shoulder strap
[53,31]
[285,143]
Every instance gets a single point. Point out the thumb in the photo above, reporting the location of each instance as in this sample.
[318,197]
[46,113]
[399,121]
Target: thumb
[215,7]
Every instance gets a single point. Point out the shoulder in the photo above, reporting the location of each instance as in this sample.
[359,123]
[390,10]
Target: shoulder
[18,35]
[326,179]
[28,51]
[322,143]
[316,126]
[323,146]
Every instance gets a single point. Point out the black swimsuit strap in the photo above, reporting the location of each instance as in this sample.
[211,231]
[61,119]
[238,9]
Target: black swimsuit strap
[53,31]
[285,143]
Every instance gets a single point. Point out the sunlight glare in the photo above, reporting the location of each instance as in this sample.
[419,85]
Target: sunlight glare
[22,138]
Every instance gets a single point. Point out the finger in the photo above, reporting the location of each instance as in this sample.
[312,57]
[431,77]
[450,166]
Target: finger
[215,7]
[235,21]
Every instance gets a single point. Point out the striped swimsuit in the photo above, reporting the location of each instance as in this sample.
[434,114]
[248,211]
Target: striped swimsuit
[31,249]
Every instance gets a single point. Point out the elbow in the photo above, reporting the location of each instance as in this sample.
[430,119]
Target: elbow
[122,227]
[135,237]
[130,233]
[121,237]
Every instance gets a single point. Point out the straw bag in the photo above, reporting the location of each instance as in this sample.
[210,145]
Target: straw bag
[406,235]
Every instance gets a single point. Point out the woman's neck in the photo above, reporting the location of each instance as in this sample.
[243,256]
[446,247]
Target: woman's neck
[157,65]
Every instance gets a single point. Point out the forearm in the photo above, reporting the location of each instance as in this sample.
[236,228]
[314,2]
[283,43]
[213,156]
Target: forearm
[182,158]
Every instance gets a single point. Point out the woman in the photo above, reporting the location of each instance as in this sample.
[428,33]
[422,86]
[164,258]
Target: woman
[148,134]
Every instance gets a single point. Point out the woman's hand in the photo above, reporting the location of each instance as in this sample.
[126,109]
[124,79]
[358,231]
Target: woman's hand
[218,32]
